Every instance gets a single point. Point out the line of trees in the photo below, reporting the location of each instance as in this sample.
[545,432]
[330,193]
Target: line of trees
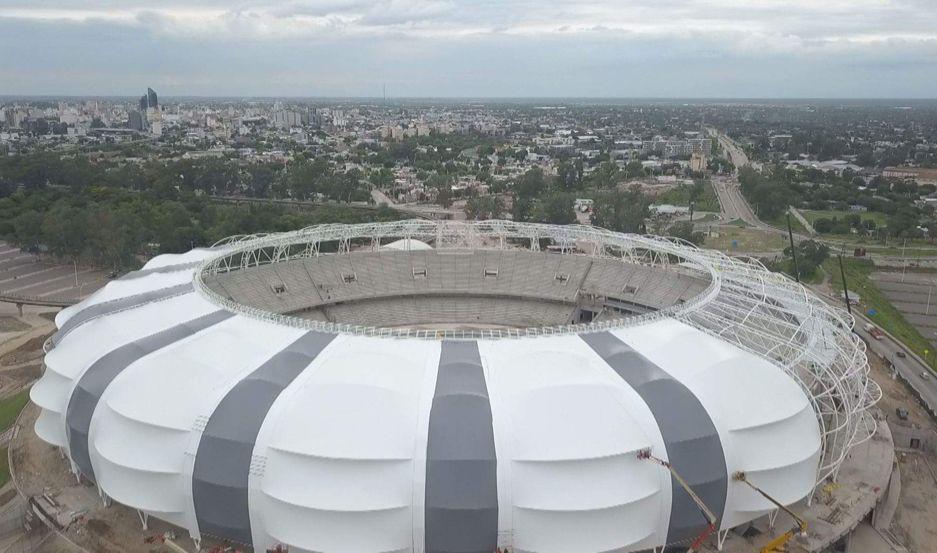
[772,191]
[302,179]
[116,228]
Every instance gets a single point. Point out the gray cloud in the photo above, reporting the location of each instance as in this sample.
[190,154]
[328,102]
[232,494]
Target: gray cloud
[721,48]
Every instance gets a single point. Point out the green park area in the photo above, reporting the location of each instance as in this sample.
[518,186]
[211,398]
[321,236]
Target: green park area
[858,275]
[880,219]
[701,194]
[745,240]
[10,408]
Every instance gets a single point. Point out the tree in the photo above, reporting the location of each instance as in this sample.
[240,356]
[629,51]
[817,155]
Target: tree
[382,179]
[810,255]
[27,228]
[634,169]
[684,230]
[521,208]
[770,195]
[531,184]
[556,208]
[904,221]
[484,207]
[65,231]
[567,177]
[116,236]
[442,185]
[621,211]
[605,175]
[823,225]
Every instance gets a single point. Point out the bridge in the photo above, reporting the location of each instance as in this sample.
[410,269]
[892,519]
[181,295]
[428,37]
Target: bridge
[20,301]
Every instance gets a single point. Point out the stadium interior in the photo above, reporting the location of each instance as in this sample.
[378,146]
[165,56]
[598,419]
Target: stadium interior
[458,288]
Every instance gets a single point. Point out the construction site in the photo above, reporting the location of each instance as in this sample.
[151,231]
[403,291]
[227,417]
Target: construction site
[439,386]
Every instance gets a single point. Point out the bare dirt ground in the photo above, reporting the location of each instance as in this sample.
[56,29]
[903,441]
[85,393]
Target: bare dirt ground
[39,468]
[12,324]
[31,350]
[915,522]
[21,340]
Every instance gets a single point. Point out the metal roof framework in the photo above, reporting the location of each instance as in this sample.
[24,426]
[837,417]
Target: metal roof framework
[758,311]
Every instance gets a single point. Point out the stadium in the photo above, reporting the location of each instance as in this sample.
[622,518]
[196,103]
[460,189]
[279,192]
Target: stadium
[449,386]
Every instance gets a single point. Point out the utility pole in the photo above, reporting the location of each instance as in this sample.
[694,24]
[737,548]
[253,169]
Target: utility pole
[904,255]
[842,272]
[790,235]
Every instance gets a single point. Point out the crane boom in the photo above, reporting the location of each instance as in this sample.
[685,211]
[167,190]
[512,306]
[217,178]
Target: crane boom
[707,513]
[778,543]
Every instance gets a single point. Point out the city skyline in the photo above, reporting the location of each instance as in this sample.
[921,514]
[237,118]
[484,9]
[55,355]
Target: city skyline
[448,49]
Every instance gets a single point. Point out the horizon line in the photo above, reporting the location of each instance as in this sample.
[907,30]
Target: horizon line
[484,98]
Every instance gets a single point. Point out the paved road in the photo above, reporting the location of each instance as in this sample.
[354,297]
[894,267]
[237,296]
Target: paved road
[732,203]
[736,154]
[910,367]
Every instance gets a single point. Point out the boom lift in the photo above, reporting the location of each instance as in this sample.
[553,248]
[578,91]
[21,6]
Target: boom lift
[779,543]
[704,510]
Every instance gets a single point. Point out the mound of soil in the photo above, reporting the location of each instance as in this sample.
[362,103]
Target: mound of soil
[12,324]
[29,351]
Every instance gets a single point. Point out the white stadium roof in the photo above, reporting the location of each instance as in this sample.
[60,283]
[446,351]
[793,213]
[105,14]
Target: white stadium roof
[268,429]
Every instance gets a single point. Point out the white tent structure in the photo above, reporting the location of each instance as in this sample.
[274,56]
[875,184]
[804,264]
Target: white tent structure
[187,401]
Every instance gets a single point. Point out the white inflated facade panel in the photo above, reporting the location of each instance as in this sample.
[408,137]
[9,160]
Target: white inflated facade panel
[140,441]
[568,432]
[66,363]
[349,424]
[339,457]
[765,422]
[122,288]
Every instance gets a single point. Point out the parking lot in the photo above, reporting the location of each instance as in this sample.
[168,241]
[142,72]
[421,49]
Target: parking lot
[915,295]
[24,274]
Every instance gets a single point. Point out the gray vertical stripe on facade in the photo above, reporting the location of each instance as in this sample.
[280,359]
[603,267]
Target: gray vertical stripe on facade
[101,373]
[164,269]
[120,304]
[223,458]
[461,466]
[690,437]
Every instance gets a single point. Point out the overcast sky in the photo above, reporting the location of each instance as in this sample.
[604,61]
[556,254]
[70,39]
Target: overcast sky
[478,48]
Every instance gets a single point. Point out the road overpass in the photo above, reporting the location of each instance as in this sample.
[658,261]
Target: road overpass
[20,301]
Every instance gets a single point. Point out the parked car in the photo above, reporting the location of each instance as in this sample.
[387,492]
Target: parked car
[901,354]
[925,375]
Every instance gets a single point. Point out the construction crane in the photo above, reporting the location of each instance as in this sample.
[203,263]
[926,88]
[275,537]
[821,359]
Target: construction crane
[779,543]
[704,510]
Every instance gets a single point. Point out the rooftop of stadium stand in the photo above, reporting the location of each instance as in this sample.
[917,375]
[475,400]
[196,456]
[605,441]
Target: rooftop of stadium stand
[486,278]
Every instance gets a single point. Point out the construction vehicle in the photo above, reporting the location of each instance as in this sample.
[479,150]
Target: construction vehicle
[704,510]
[778,544]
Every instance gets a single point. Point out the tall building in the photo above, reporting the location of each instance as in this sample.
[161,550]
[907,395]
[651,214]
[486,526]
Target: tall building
[136,121]
[149,100]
